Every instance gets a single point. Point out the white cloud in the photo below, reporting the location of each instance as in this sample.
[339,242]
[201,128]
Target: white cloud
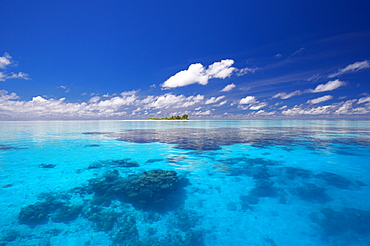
[278,56]
[200,113]
[221,69]
[258,106]
[364,100]
[341,108]
[5,60]
[94,99]
[262,112]
[345,108]
[252,103]
[320,99]
[284,95]
[229,87]
[331,85]
[4,96]
[298,52]
[214,99]
[222,103]
[248,100]
[20,75]
[244,71]
[297,110]
[170,100]
[197,73]
[354,67]
[66,90]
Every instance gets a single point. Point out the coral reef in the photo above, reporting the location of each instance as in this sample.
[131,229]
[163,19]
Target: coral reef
[55,207]
[103,219]
[338,223]
[312,193]
[66,213]
[155,189]
[127,233]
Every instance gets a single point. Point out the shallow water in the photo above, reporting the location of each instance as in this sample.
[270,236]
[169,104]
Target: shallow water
[185,183]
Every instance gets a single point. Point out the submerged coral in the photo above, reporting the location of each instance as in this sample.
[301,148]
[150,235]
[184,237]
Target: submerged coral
[337,223]
[103,219]
[155,189]
[57,208]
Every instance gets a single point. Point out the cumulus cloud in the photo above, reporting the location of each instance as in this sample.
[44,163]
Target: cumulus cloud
[94,99]
[252,103]
[248,100]
[197,73]
[5,96]
[284,95]
[5,60]
[351,68]
[320,99]
[331,85]
[214,99]
[229,87]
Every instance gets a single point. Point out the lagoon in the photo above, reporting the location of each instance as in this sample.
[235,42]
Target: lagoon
[185,183]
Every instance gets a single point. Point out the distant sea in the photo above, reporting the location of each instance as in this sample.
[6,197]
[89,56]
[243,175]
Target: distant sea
[273,183]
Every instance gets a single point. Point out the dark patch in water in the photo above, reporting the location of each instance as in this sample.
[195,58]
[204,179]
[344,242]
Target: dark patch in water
[264,189]
[47,165]
[157,190]
[312,193]
[294,172]
[203,139]
[343,152]
[92,145]
[9,147]
[66,213]
[335,180]
[153,160]
[9,236]
[337,223]
[103,218]
[126,162]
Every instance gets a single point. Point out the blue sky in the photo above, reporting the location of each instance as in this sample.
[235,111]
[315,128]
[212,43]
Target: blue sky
[209,59]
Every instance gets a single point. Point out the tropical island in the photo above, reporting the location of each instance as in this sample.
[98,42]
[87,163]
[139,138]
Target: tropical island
[184,117]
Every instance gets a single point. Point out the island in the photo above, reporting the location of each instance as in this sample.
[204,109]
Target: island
[184,117]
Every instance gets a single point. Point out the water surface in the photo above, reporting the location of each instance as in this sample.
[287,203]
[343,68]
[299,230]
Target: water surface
[185,183]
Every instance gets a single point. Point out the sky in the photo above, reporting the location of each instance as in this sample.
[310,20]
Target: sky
[235,59]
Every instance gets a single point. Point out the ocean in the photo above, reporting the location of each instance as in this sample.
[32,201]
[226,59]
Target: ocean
[273,183]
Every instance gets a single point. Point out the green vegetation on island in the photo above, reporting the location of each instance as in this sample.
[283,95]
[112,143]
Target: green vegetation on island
[184,117]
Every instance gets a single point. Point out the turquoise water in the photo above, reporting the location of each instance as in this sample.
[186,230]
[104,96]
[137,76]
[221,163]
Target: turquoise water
[185,183]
